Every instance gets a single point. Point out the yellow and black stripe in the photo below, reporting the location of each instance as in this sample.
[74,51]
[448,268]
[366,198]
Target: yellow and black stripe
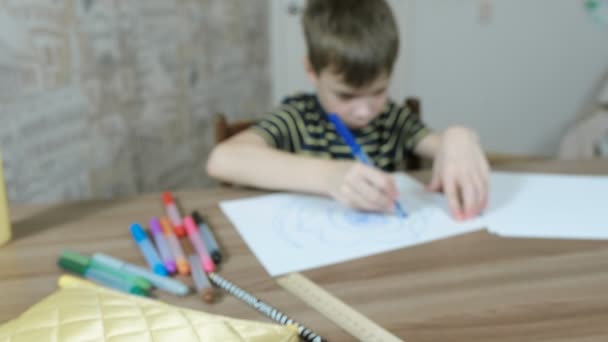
[300,125]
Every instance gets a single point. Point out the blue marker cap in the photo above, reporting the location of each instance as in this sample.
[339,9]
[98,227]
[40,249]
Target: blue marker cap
[138,232]
[147,249]
[160,269]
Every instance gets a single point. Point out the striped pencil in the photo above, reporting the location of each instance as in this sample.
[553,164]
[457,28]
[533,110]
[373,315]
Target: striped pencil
[276,315]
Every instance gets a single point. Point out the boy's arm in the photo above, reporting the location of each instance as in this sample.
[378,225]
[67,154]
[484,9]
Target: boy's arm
[428,146]
[246,159]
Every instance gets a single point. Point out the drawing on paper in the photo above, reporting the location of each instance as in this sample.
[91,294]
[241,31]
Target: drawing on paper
[328,223]
[294,232]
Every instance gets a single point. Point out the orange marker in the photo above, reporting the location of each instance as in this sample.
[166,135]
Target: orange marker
[174,215]
[183,267]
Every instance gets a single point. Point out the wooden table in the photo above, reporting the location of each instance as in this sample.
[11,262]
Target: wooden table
[474,287]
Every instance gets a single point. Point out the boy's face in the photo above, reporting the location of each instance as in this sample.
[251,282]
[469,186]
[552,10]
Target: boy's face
[357,107]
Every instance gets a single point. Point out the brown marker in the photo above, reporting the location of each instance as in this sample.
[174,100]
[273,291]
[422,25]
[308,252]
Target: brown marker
[201,282]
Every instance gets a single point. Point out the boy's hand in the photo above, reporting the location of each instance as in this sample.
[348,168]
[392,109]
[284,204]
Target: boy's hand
[362,187]
[461,169]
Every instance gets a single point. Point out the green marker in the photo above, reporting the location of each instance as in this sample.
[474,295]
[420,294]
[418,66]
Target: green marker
[103,274]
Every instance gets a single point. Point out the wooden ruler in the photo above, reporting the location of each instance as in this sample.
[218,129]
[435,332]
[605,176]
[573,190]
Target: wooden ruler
[337,311]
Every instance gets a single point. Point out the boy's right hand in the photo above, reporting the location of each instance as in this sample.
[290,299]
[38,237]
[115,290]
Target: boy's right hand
[363,187]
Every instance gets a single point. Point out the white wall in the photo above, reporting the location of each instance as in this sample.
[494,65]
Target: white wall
[520,79]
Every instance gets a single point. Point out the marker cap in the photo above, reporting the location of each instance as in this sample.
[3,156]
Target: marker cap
[74,262]
[138,232]
[168,198]
[160,269]
[183,267]
[197,217]
[155,226]
[171,266]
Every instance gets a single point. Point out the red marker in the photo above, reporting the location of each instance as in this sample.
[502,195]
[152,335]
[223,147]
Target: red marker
[174,216]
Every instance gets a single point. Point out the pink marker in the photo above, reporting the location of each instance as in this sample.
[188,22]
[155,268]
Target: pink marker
[198,244]
[173,214]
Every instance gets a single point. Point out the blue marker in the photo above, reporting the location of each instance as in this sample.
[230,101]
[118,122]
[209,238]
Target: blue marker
[164,283]
[357,151]
[147,249]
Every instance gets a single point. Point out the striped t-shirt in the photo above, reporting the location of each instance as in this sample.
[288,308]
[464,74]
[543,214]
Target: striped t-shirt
[300,125]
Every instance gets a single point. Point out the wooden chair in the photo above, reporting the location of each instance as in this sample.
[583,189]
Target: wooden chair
[413,162]
[225,129]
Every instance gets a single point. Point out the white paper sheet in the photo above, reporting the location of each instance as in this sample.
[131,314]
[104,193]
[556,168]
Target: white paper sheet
[294,232]
[548,206]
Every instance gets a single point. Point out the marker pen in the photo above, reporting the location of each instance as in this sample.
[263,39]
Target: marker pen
[102,274]
[162,245]
[147,249]
[180,259]
[173,214]
[164,283]
[198,244]
[207,237]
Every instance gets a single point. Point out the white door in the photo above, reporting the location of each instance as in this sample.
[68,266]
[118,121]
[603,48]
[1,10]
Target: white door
[288,48]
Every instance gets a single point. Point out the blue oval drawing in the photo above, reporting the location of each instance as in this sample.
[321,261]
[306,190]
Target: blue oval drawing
[358,218]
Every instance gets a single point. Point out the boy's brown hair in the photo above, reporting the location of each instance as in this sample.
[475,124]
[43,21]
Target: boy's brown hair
[357,39]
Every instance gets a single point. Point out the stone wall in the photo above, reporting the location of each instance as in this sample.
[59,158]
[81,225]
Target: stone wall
[102,98]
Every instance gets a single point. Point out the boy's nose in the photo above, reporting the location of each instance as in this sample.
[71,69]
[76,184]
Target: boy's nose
[364,109]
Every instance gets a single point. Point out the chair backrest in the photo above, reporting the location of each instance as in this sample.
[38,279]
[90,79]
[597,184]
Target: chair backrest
[413,162]
[225,129]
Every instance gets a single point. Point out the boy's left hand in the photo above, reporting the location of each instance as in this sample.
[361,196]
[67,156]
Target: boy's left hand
[461,170]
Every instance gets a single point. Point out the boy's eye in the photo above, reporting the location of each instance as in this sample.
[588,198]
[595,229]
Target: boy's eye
[349,96]
[380,91]
[345,96]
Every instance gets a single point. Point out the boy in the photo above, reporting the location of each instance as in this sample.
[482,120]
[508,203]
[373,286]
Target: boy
[352,46]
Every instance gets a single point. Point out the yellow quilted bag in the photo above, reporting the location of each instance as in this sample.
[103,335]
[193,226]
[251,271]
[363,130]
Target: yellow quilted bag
[82,311]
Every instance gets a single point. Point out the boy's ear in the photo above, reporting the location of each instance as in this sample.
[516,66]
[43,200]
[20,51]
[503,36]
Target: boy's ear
[310,71]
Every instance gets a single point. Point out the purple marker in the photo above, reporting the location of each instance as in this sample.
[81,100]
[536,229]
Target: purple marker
[162,245]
